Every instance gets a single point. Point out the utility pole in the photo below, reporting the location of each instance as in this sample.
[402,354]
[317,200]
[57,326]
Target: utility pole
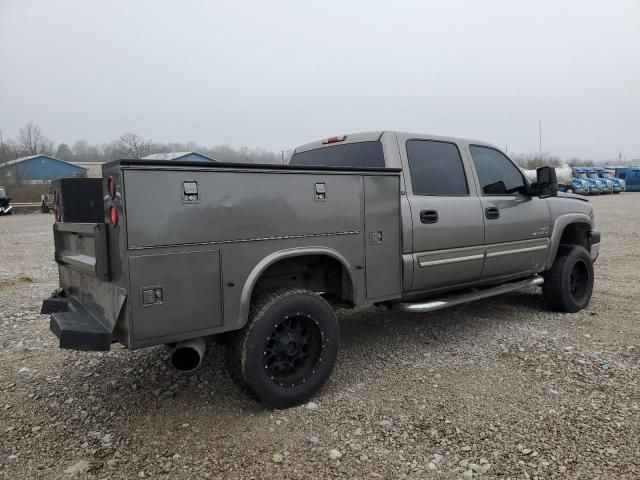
[282,153]
[540,140]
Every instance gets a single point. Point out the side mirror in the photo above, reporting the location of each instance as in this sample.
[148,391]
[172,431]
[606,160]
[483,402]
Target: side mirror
[546,182]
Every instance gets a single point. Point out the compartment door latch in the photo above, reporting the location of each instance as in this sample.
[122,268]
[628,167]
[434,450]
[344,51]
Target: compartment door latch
[321,192]
[190,192]
[151,296]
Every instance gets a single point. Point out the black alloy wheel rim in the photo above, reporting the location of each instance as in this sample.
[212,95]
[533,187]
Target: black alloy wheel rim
[579,280]
[293,350]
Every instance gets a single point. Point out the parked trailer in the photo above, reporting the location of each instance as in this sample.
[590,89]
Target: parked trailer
[630,176]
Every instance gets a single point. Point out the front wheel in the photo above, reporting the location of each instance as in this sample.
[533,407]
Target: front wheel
[568,284]
[288,348]
[569,190]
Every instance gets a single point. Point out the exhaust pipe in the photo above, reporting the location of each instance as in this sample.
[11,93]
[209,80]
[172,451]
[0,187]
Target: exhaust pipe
[187,355]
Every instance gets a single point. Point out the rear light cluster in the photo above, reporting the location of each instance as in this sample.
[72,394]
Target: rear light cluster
[113,216]
[111,187]
[111,190]
[56,206]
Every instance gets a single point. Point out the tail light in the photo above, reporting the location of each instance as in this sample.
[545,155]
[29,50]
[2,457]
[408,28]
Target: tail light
[111,187]
[56,206]
[113,216]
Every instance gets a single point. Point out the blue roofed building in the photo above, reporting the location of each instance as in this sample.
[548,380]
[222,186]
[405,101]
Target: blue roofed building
[180,156]
[39,169]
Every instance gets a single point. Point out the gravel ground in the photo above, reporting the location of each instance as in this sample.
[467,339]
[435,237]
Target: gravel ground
[500,388]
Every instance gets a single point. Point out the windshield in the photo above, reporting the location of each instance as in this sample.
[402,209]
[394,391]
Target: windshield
[583,175]
[593,175]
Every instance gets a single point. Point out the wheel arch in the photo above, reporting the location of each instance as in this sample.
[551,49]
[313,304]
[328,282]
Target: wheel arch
[570,229]
[274,259]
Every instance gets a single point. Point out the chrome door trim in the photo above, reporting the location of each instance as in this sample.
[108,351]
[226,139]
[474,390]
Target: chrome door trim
[479,252]
[451,255]
[516,247]
[452,260]
[516,250]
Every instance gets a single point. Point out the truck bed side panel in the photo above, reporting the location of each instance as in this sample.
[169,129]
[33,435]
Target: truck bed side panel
[234,206]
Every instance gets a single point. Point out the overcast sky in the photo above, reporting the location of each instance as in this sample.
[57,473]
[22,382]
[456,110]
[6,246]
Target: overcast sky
[276,74]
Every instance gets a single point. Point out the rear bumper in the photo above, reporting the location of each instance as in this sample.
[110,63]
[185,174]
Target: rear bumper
[75,326]
[595,245]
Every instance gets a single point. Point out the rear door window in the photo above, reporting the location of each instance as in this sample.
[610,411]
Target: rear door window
[436,168]
[353,155]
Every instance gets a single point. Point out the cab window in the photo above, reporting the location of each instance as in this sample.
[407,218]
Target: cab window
[352,155]
[497,175]
[436,168]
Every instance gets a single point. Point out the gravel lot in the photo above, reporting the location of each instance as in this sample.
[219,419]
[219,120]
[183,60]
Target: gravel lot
[500,388]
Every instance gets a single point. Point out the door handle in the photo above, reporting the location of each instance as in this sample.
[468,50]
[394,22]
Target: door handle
[491,213]
[428,216]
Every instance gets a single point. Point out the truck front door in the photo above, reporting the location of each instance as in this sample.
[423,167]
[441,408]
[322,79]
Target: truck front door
[448,228]
[517,226]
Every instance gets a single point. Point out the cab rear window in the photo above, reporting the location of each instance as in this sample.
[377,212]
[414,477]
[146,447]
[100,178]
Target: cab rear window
[354,155]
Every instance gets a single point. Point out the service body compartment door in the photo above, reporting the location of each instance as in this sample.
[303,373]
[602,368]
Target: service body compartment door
[174,295]
[382,236]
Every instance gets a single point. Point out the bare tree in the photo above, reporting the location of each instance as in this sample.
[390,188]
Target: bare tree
[32,141]
[134,145]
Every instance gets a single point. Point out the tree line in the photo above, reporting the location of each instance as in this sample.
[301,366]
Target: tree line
[531,161]
[31,140]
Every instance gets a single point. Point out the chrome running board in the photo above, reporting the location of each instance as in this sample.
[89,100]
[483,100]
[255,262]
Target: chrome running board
[468,296]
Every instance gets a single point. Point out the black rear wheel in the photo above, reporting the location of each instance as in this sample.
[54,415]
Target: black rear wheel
[568,283]
[288,348]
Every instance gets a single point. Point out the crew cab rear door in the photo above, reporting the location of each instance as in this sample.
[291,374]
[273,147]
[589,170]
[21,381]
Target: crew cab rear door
[448,230]
[517,226]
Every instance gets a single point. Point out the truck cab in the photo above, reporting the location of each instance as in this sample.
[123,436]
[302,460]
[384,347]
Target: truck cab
[596,186]
[575,185]
[615,185]
[596,174]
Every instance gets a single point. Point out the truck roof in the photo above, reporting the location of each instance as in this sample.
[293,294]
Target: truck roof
[376,135]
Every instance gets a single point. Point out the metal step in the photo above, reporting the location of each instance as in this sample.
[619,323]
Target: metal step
[75,326]
[467,296]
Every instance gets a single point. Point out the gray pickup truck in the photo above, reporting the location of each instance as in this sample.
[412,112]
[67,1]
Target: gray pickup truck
[260,256]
